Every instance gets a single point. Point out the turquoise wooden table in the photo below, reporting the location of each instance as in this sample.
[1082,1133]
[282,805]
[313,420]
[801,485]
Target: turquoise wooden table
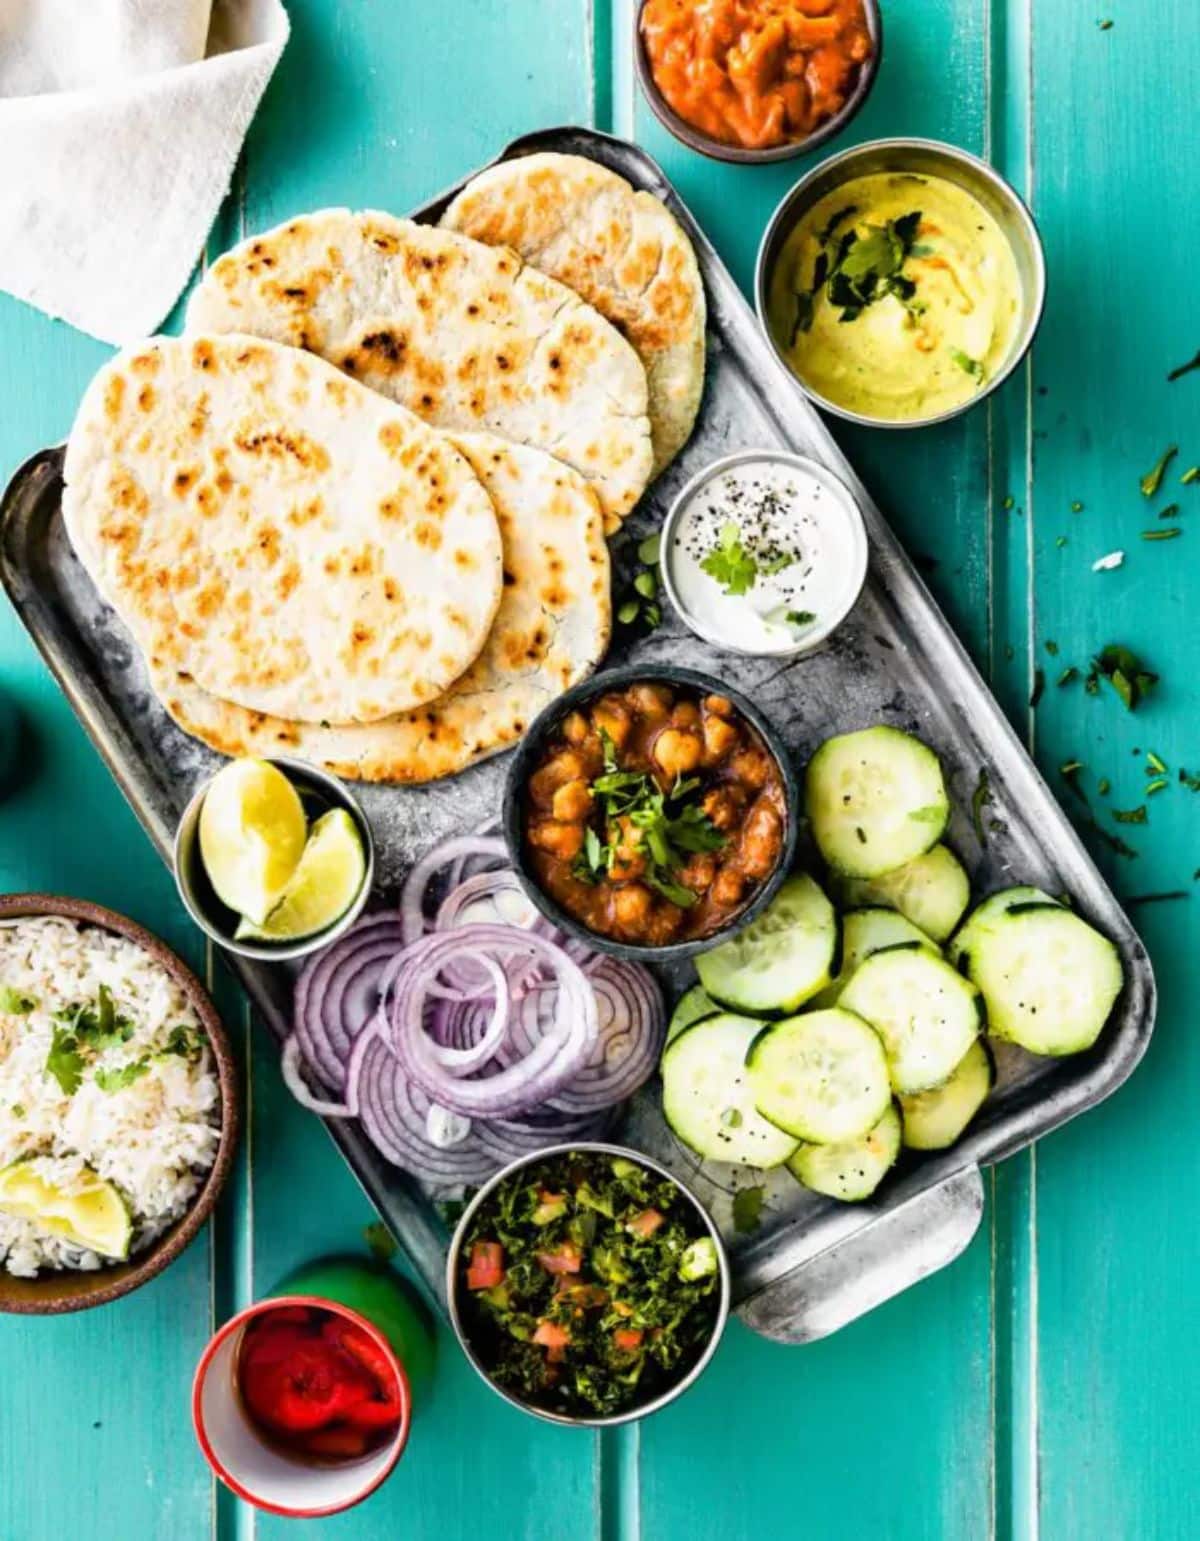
[1046,1383]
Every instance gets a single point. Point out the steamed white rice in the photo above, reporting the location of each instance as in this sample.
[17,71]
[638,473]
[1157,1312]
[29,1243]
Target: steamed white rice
[154,1138]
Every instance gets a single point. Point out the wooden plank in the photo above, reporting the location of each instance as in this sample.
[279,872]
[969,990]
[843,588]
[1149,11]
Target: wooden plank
[411,99]
[76,1452]
[1117,1250]
[782,1431]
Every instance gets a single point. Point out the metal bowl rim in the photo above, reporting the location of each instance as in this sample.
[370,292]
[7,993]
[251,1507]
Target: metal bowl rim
[631,1414]
[535,737]
[187,834]
[949,152]
[716,149]
[858,539]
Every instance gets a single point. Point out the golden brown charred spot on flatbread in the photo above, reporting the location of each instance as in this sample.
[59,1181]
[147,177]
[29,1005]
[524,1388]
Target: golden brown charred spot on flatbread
[382,351]
[148,363]
[281,445]
[114,397]
[427,534]
[336,390]
[391,590]
[301,514]
[204,356]
[183,480]
[286,583]
[381,240]
[466,560]
[267,543]
[199,416]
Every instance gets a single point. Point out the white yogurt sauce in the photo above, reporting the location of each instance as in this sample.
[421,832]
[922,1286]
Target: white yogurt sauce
[766,557]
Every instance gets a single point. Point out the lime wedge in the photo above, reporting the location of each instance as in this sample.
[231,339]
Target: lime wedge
[324,885]
[252,834]
[91,1213]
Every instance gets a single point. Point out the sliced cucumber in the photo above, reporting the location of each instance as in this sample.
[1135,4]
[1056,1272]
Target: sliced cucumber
[780,960]
[692,1006]
[927,1014]
[850,1172]
[985,914]
[876,800]
[865,932]
[932,891]
[821,1077]
[934,1119]
[707,1099]
[1048,978]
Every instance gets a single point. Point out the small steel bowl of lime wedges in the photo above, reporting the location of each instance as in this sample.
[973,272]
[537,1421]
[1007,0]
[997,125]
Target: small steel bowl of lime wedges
[273,858]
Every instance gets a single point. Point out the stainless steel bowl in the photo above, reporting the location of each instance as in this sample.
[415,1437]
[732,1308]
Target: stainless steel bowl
[214,918]
[924,157]
[715,148]
[644,1409]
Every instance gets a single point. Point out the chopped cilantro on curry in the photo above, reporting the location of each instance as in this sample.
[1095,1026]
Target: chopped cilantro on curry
[592,1284]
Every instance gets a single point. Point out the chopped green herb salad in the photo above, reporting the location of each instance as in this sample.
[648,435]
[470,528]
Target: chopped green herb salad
[591,1284]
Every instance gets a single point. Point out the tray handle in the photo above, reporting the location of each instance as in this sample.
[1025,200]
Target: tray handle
[854,1276]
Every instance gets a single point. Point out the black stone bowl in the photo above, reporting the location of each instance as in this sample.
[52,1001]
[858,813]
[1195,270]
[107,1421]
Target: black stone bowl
[529,752]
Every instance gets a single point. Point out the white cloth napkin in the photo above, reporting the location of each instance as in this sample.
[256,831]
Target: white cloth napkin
[120,125]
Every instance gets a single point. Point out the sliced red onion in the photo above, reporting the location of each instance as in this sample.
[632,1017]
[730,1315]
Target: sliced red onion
[337,993]
[293,1079]
[509,1138]
[444,1129]
[539,1074]
[394,1113]
[412,896]
[630,1040]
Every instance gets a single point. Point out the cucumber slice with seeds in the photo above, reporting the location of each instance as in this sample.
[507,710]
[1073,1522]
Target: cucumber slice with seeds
[927,1015]
[984,916]
[1049,979]
[692,1006]
[780,960]
[932,891]
[876,799]
[707,1099]
[821,1077]
[865,932]
[933,1120]
[850,1172]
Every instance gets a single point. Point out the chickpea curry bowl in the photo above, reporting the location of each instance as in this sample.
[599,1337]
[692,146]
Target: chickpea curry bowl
[651,811]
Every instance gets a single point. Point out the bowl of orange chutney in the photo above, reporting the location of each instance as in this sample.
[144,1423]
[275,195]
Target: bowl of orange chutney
[757,80]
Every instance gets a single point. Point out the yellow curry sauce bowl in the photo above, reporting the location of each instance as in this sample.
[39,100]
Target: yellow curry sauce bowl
[950,173]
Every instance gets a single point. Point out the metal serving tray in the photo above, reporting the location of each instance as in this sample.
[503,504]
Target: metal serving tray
[812,1264]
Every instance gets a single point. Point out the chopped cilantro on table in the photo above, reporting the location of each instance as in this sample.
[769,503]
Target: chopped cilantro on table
[1124,671]
[589,1283]
[1184,369]
[1153,478]
[748,1208]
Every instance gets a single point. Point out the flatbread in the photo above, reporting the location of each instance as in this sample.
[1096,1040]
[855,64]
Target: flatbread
[621,249]
[463,334]
[292,540]
[551,630]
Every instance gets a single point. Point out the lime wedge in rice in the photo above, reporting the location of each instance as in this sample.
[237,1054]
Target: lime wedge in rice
[252,836]
[90,1213]
[324,885]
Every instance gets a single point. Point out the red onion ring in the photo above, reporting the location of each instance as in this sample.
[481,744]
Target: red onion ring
[393,1114]
[543,1071]
[412,895]
[337,993]
[632,1028]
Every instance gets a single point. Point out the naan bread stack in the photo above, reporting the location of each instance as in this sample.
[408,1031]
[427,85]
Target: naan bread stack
[298,543]
[358,513]
[464,335]
[551,631]
[621,250]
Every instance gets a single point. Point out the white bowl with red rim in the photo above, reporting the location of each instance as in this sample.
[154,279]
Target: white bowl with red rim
[255,1469]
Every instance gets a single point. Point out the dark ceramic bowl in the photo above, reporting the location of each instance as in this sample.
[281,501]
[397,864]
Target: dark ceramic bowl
[525,761]
[57,1290]
[717,149]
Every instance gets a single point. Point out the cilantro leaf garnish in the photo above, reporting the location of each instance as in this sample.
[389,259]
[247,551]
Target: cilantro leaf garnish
[16,1004]
[122,1076]
[969,365]
[64,1061]
[729,562]
[747,1209]
[1124,671]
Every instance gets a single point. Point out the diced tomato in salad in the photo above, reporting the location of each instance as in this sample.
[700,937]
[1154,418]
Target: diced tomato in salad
[486,1268]
[567,1258]
[553,1338]
[628,1338]
[645,1224]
